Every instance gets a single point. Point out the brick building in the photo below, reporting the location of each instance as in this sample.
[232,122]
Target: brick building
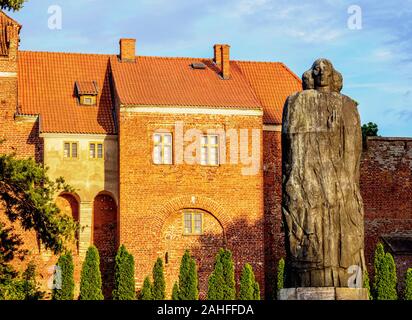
[153,147]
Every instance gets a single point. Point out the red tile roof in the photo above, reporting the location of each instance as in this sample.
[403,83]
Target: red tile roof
[87,88]
[174,82]
[272,82]
[47,87]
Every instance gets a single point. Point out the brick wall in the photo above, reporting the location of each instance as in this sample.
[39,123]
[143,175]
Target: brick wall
[386,186]
[152,198]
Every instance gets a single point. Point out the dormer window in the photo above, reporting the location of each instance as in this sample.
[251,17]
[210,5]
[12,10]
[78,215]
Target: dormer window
[87,92]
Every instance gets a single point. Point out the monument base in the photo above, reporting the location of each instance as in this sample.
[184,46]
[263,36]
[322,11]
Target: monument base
[323,294]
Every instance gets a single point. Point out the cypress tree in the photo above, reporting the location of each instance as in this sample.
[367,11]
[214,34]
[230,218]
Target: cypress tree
[188,281]
[366,284]
[175,292]
[65,276]
[256,291]
[216,281]
[222,280]
[247,284]
[91,279]
[159,285]
[124,283]
[281,275]
[385,275]
[408,285]
[146,293]
[229,289]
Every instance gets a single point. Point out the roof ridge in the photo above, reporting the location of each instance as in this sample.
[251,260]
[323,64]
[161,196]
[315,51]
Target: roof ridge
[291,72]
[69,53]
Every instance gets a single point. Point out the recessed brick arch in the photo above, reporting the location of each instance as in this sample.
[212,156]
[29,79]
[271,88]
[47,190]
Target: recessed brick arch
[105,235]
[69,204]
[194,202]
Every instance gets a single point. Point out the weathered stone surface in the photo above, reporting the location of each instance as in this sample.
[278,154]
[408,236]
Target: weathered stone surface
[321,203]
[325,293]
[287,294]
[351,294]
[315,293]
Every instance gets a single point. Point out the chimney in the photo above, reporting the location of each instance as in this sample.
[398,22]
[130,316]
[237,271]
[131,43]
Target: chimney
[218,54]
[127,50]
[225,60]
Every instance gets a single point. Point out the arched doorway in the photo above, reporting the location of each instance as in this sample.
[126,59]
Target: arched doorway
[105,238]
[69,205]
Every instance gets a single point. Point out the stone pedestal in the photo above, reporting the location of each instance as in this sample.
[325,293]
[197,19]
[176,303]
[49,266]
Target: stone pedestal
[323,294]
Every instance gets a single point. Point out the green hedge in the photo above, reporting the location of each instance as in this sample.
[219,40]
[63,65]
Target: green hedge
[124,281]
[91,279]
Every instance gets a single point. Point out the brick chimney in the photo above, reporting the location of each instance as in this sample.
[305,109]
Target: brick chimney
[225,61]
[127,50]
[222,59]
[218,54]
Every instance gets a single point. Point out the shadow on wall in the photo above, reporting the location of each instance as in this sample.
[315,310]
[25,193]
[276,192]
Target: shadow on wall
[243,239]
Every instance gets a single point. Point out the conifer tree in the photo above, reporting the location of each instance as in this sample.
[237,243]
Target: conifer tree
[408,285]
[175,292]
[64,279]
[146,293]
[159,285]
[249,288]
[124,283]
[91,279]
[222,280]
[281,275]
[188,280]
[385,275]
[366,284]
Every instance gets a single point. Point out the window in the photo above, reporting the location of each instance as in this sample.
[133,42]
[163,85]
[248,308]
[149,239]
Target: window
[209,150]
[96,150]
[163,146]
[193,222]
[70,150]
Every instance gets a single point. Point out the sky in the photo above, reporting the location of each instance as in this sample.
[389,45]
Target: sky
[371,46]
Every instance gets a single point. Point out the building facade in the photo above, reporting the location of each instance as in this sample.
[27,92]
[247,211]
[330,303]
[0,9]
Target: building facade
[165,154]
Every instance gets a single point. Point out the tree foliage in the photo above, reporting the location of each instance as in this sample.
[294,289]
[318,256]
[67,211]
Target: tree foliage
[14,5]
[249,287]
[27,196]
[25,287]
[91,279]
[159,284]
[280,284]
[146,292]
[175,292]
[385,275]
[124,281]
[221,284]
[408,285]
[65,289]
[366,284]
[188,280]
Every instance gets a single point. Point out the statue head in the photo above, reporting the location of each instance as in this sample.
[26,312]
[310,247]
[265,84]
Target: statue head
[323,77]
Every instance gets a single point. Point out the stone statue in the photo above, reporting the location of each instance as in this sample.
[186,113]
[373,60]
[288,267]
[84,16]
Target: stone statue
[322,205]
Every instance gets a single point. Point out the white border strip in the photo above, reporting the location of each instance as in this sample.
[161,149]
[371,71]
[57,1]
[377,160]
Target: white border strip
[188,110]
[272,128]
[8,74]
[83,135]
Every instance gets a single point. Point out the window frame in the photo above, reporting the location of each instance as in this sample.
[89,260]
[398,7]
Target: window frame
[96,145]
[193,213]
[163,145]
[209,146]
[70,156]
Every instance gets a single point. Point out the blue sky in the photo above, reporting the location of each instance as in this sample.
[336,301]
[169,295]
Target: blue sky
[376,61]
